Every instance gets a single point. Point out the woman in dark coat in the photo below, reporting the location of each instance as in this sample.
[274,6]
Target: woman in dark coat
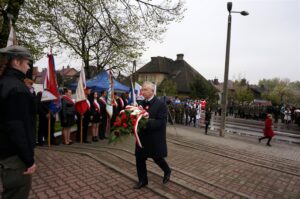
[67,115]
[268,132]
[95,115]
[153,137]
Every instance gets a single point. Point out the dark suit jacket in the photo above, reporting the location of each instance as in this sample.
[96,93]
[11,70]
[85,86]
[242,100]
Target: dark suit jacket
[153,137]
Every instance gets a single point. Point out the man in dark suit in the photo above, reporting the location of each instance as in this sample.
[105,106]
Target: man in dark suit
[153,137]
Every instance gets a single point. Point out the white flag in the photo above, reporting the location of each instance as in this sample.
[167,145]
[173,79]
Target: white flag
[80,95]
[48,96]
[12,39]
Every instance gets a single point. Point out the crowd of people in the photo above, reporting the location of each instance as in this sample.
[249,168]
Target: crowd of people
[96,116]
[189,112]
[286,113]
[19,107]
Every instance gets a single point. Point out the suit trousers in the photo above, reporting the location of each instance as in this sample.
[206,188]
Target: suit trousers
[142,167]
[102,127]
[16,185]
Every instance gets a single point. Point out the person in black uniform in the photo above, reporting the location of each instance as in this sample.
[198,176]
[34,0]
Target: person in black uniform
[125,98]
[86,118]
[67,115]
[17,124]
[44,113]
[207,119]
[153,137]
[103,115]
[95,115]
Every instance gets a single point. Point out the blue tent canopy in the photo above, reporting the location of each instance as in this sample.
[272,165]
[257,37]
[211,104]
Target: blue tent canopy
[101,82]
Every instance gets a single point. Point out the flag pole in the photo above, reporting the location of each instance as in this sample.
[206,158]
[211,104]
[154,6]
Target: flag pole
[108,125]
[49,129]
[81,130]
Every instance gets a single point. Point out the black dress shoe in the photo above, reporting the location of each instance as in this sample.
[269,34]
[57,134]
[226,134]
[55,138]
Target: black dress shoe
[140,185]
[87,142]
[167,177]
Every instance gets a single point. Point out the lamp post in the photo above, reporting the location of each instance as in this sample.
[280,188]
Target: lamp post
[225,83]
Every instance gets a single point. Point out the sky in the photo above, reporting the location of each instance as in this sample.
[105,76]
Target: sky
[264,45]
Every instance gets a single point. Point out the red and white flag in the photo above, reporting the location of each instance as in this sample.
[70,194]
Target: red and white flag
[50,84]
[81,103]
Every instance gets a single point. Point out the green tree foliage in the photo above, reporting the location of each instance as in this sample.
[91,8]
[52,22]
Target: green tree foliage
[167,88]
[102,33]
[279,91]
[295,88]
[242,93]
[201,88]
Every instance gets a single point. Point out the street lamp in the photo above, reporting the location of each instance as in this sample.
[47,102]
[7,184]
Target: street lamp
[225,83]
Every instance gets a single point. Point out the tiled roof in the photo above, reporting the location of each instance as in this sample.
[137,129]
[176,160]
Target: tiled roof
[68,72]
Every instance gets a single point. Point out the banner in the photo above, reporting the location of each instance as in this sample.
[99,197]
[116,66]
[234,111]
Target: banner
[132,95]
[50,84]
[81,103]
[12,39]
[110,95]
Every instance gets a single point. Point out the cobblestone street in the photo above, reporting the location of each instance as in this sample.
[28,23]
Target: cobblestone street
[204,166]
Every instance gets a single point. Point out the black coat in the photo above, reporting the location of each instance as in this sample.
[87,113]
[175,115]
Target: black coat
[67,113]
[153,137]
[95,112]
[17,118]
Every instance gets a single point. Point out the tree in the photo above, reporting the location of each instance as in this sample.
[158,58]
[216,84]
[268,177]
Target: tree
[242,93]
[167,88]
[102,33]
[201,88]
[278,91]
[295,88]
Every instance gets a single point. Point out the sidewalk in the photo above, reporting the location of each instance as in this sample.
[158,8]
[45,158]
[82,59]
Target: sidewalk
[251,144]
[204,166]
[69,175]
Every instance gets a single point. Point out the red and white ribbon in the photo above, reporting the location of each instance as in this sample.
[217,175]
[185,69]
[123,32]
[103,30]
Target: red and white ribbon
[139,112]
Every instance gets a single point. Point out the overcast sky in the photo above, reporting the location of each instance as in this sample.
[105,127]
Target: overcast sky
[264,44]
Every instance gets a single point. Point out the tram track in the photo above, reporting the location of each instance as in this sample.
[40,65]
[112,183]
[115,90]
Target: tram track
[281,165]
[188,181]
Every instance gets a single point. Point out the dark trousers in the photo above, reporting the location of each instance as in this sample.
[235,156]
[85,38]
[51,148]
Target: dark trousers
[192,118]
[265,137]
[43,129]
[102,127]
[206,126]
[141,167]
[85,126]
[15,184]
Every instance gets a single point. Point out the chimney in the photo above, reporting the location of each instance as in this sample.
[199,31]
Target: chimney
[216,81]
[179,56]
